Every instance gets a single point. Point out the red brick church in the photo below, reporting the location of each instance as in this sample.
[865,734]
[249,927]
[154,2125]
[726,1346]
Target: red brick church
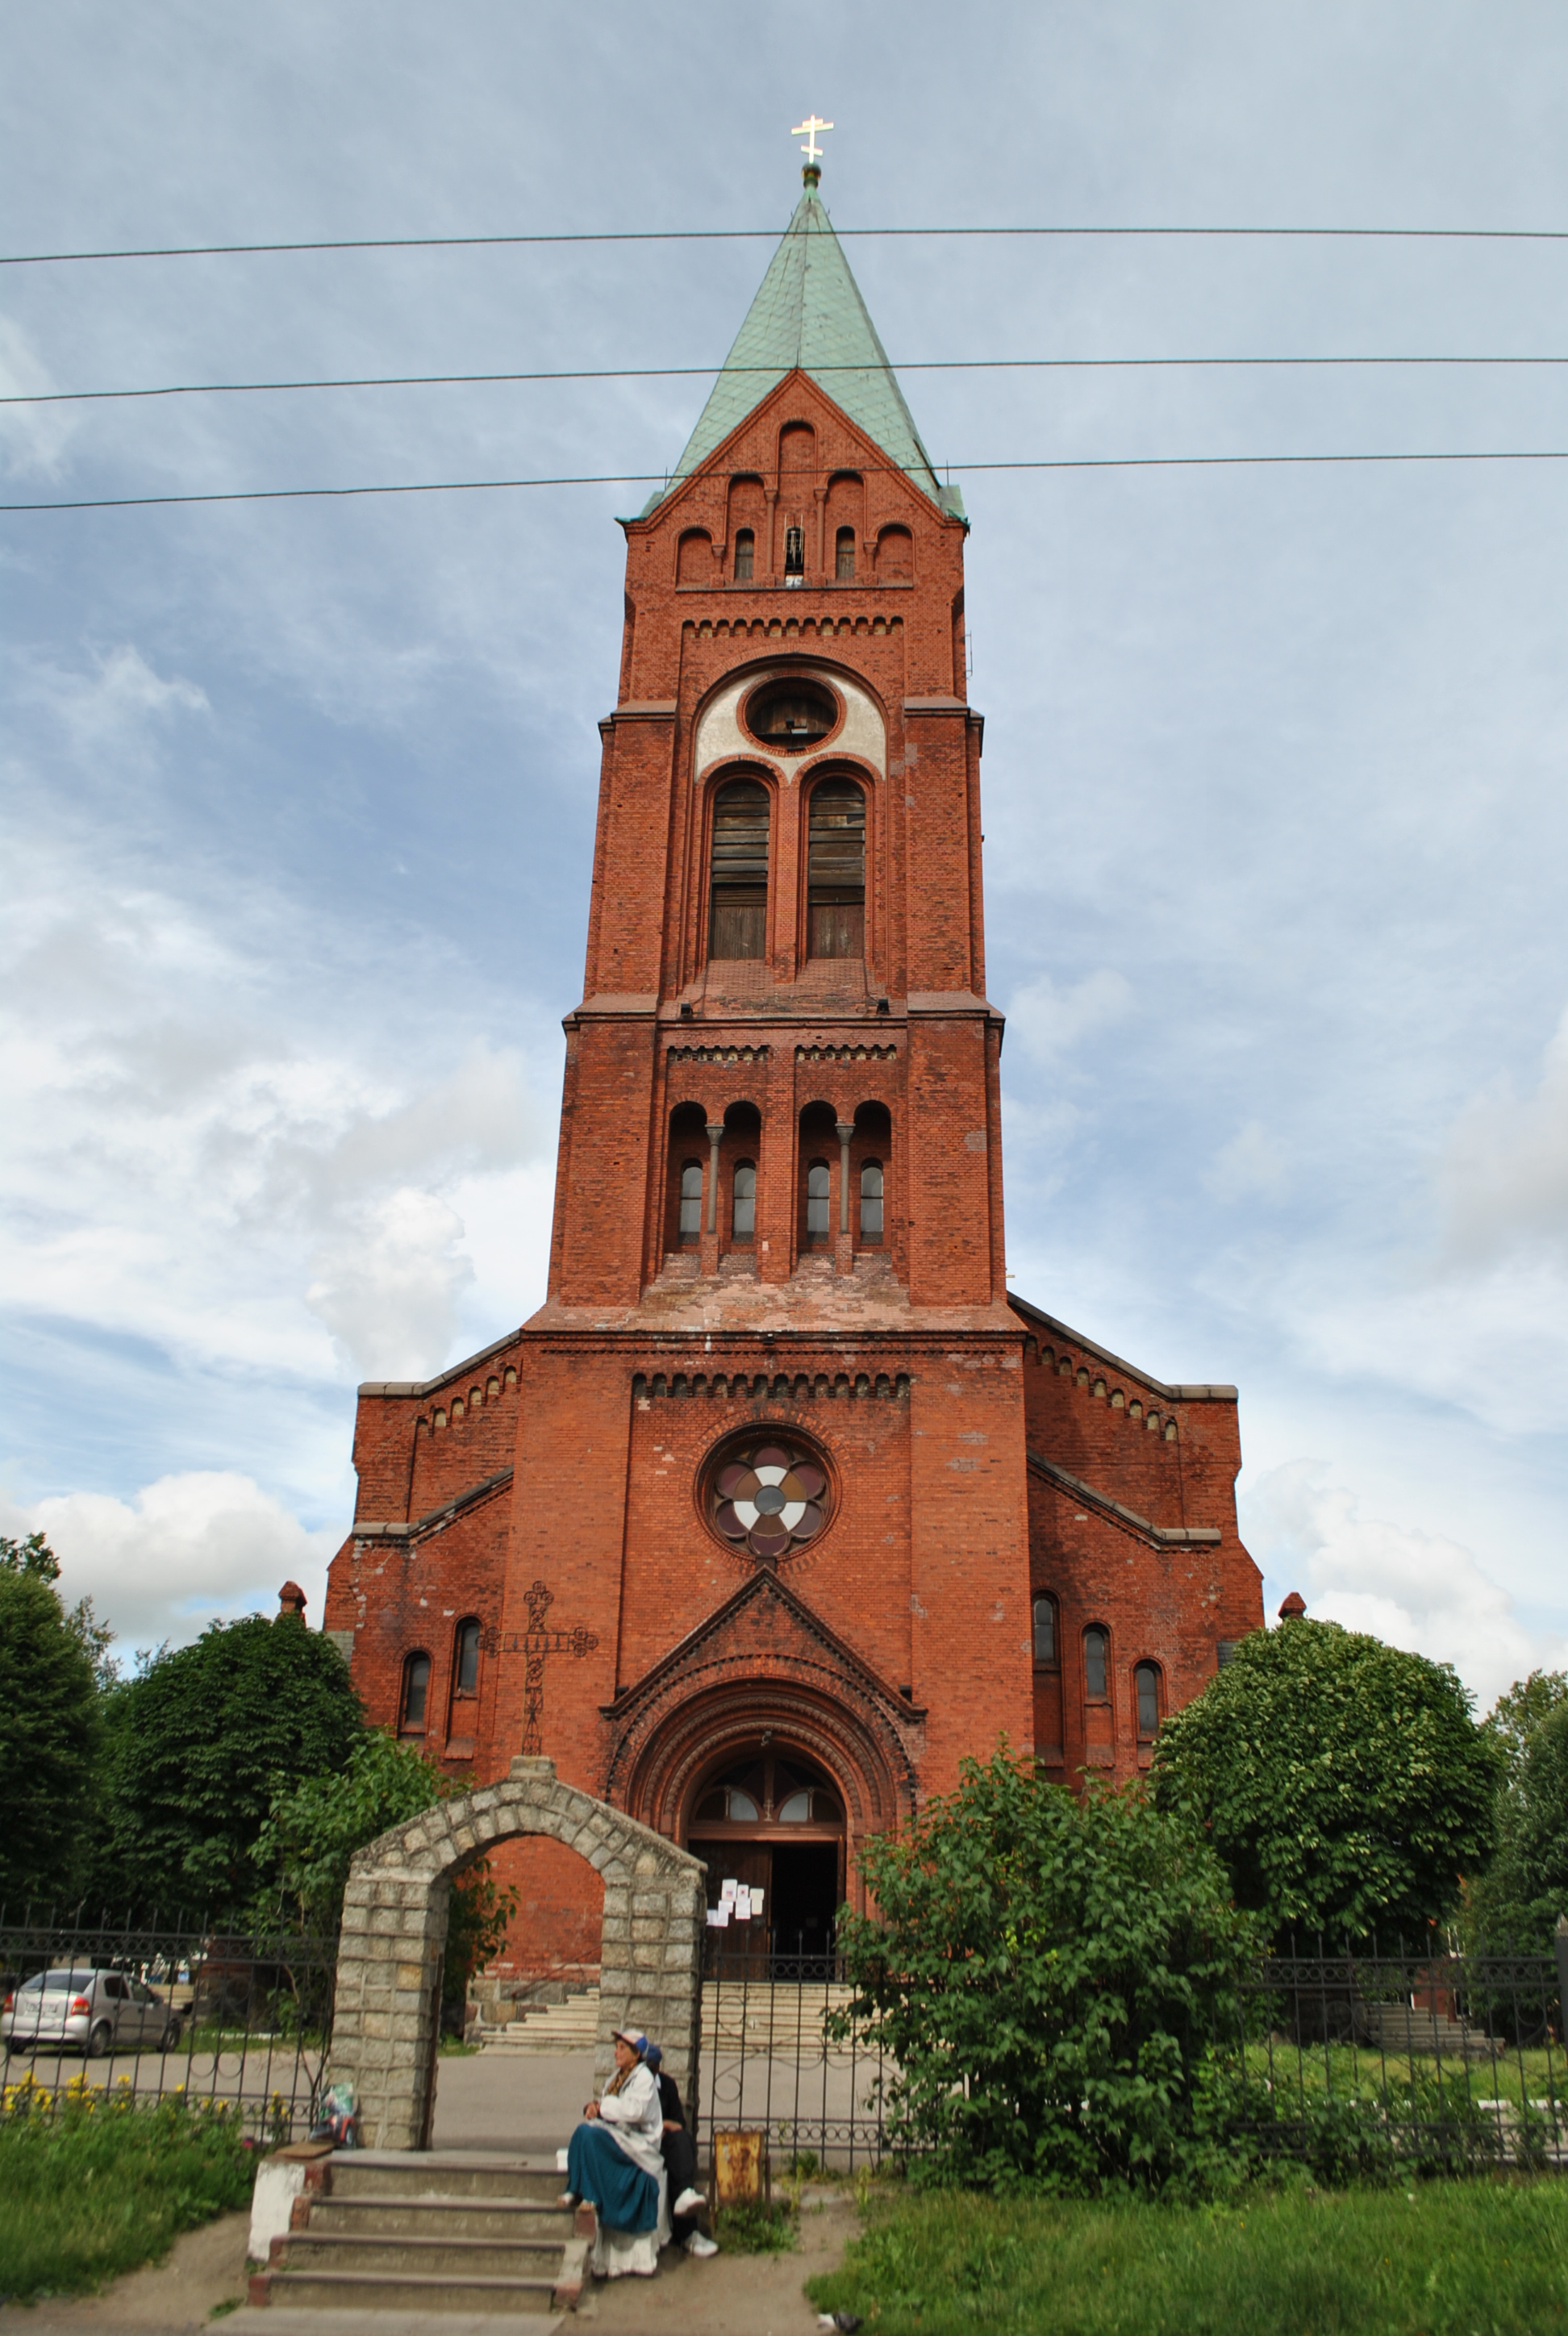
[781,1503]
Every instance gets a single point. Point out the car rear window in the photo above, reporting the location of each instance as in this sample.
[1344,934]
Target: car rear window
[58,1982]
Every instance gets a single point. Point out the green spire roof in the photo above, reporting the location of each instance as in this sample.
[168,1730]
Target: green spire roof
[808,312]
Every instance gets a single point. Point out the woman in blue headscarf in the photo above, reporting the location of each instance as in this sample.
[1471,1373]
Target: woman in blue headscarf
[616,2164]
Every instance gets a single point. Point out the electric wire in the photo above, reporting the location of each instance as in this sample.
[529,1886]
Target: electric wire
[773,234]
[659,478]
[688,373]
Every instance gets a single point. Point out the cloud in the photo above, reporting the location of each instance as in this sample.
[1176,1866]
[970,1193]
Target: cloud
[1048,1020]
[110,709]
[388,1291]
[163,1564]
[33,438]
[1252,1163]
[1413,1589]
[1504,1176]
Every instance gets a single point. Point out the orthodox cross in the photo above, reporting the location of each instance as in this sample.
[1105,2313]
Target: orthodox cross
[534,1644]
[808,130]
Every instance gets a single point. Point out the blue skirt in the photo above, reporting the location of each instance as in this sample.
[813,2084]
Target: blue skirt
[598,2169]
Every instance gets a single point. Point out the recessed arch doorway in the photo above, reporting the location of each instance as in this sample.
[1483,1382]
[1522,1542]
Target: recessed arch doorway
[767,1819]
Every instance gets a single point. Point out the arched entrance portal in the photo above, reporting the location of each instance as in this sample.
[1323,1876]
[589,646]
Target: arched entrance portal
[768,1822]
[387,2007]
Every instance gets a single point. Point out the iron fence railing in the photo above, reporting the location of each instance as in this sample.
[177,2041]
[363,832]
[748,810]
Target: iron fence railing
[770,2062]
[211,2013]
[1446,2059]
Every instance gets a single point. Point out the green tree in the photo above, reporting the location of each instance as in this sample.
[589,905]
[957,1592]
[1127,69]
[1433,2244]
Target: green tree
[199,1745]
[1520,1710]
[1043,1974]
[50,1728]
[1517,1901]
[1344,1783]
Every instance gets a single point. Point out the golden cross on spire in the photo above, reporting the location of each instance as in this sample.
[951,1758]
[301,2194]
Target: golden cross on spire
[808,130]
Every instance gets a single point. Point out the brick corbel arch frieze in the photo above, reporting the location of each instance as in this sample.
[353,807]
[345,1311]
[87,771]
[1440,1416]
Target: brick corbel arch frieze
[386,2018]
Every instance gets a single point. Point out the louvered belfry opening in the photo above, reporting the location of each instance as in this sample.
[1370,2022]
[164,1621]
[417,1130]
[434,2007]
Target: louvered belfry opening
[836,869]
[738,923]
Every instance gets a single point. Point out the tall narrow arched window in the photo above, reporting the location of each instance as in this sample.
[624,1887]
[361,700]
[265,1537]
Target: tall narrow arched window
[1096,1649]
[844,556]
[742,1212]
[836,869]
[1045,1632]
[745,555]
[691,1203]
[1146,1681]
[872,1200]
[738,923]
[415,1695]
[794,551]
[465,1659]
[819,1202]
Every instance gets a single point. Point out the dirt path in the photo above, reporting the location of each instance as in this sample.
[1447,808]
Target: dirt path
[204,2268]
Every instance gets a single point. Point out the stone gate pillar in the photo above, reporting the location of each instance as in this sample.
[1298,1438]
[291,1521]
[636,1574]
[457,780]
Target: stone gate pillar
[387,2007]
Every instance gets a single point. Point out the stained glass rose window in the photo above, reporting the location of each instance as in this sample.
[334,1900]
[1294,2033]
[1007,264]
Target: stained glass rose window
[769,1497]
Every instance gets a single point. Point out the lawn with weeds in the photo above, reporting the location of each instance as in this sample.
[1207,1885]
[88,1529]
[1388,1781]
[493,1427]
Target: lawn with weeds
[92,2185]
[752,2228]
[1483,2258]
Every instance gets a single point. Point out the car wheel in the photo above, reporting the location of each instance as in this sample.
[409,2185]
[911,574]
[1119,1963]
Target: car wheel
[100,2037]
[170,2039]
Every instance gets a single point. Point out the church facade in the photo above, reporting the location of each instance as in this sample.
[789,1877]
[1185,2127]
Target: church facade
[781,1505]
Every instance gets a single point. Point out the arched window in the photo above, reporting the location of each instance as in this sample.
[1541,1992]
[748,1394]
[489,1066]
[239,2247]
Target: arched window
[694,557]
[836,871]
[465,1659]
[1146,1680]
[794,551]
[819,1202]
[743,1215]
[1046,1632]
[872,1200]
[844,556]
[1097,1648]
[415,1695]
[745,555]
[738,925]
[691,1203]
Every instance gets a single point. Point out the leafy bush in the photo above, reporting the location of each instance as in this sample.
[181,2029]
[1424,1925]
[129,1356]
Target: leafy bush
[1045,1973]
[1517,1901]
[1343,1783]
[50,1726]
[91,2187]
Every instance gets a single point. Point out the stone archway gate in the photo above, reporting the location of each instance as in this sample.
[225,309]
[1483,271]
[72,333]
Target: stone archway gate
[386,2020]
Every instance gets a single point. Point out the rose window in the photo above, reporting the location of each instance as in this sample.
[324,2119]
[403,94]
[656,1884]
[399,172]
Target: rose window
[769,1498]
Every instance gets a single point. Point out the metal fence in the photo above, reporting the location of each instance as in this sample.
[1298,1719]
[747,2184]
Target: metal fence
[1450,2061]
[144,2011]
[768,2062]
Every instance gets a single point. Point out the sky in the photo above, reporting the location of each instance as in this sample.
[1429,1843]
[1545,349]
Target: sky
[298,796]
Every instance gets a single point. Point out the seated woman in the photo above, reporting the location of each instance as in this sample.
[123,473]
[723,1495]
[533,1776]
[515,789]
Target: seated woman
[616,2164]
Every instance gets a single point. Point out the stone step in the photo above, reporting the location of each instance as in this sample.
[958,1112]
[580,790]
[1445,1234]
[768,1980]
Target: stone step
[251,2319]
[438,2174]
[424,2251]
[476,2218]
[337,2291]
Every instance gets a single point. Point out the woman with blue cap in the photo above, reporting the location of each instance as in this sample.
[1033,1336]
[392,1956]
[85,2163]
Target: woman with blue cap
[616,2164]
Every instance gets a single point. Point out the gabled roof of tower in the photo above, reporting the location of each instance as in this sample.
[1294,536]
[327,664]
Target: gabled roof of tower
[808,313]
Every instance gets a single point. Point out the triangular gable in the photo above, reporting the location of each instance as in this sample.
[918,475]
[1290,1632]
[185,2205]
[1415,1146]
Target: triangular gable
[796,1634]
[1116,1512]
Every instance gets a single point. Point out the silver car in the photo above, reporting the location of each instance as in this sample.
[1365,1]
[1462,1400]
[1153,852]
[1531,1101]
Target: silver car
[89,2012]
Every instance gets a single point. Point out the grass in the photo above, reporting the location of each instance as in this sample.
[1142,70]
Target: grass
[91,2187]
[1487,2258]
[752,2228]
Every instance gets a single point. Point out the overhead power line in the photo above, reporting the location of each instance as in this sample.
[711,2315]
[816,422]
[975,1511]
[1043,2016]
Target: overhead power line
[771,235]
[704,373]
[659,478]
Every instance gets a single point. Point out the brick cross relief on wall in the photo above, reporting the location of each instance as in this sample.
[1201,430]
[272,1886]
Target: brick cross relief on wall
[534,1645]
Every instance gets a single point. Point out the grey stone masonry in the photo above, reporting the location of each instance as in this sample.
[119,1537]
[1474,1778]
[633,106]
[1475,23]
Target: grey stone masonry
[395,1912]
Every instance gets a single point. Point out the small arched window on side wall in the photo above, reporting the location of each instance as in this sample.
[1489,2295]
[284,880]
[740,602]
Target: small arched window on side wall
[465,1658]
[836,871]
[737,926]
[1048,1738]
[872,1202]
[743,1208]
[1046,1632]
[1146,1685]
[844,556]
[819,1202]
[745,555]
[691,1204]
[415,1695]
[1096,1653]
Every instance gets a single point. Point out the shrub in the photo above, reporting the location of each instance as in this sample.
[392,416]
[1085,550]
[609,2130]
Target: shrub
[1343,1783]
[1044,1972]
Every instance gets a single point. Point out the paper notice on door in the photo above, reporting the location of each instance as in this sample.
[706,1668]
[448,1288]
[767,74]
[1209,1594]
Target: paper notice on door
[727,1891]
[718,1918]
[756,1898]
[742,1905]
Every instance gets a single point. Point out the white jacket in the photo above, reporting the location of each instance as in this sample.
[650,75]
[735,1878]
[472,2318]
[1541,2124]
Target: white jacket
[635,2119]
